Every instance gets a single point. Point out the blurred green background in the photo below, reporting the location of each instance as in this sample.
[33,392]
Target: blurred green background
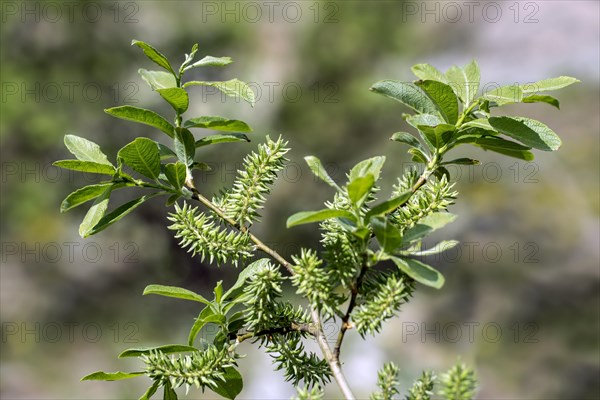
[521,303]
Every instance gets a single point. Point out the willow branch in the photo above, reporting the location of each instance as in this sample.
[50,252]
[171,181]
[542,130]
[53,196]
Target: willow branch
[346,318]
[332,361]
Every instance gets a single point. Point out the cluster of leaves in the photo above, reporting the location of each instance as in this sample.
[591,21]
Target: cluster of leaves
[165,170]
[370,260]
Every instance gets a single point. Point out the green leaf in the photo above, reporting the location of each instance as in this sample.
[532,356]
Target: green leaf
[465,81]
[119,213]
[210,61]
[407,138]
[317,168]
[443,97]
[151,390]
[481,123]
[143,156]
[307,217]
[505,95]
[222,138]
[547,85]
[418,155]
[246,274]
[85,150]
[505,147]
[185,146]
[168,392]
[233,88]
[439,135]
[406,93]
[166,349]
[172,199]
[218,291]
[358,188]
[389,205]
[176,174]
[420,272]
[527,131]
[428,72]
[440,172]
[438,248]
[427,225]
[369,166]
[165,152]
[86,166]
[111,376]
[462,161]
[542,98]
[95,213]
[176,292]
[388,236]
[176,97]
[158,79]
[201,166]
[217,124]
[142,116]
[154,55]
[423,119]
[232,386]
[83,195]
[199,324]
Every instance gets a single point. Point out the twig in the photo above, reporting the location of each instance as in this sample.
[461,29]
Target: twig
[346,318]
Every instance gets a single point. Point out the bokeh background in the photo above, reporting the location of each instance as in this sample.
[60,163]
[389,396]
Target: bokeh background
[521,302]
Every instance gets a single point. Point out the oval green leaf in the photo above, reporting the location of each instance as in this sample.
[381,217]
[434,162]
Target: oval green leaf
[86,166]
[505,95]
[388,236]
[166,349]
[443,97]
[143,156]
[95,213]
[142,116]
[232,386]
[420,272]
[176,97]
[176,174]
[210,61]
[111,376]
[358,188]
[389,205]
[218,124]
[83,195]
[222,138]
[233,88]
[505,147]
[530,132]
[406,93]
[176,292]
[154,55]
[85,150]
[119,213]
[307,217]
[319,171]
[158,79]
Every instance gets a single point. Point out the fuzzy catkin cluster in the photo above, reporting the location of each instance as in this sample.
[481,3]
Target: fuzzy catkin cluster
[435,195]
[202,369]
[248,194]
[202,235]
